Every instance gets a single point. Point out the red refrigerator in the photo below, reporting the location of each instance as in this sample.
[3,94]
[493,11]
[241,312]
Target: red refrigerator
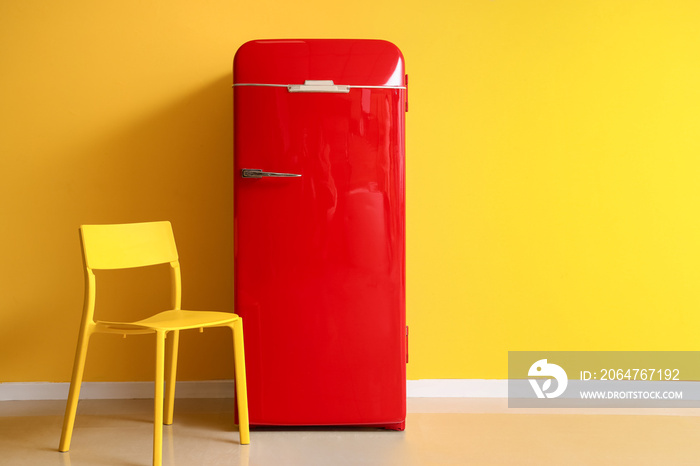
[319,222]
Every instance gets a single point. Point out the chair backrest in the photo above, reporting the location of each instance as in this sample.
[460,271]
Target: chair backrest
[128,245]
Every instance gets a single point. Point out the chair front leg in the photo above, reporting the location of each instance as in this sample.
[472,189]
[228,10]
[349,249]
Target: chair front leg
[241,389]
[74,391]
[158,400]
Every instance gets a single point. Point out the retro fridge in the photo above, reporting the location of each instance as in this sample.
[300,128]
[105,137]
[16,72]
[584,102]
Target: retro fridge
[319,226]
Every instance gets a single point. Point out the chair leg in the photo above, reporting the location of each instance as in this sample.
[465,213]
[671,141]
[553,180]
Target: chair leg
[74,392]
[241,390]
[158,400]
[171,375]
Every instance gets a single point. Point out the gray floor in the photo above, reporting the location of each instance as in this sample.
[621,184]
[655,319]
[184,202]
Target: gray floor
[439,432]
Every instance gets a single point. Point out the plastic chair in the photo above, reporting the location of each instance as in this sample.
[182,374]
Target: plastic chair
[138,245]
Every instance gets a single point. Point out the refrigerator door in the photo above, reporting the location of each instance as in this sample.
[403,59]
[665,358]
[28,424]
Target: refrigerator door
[319,214]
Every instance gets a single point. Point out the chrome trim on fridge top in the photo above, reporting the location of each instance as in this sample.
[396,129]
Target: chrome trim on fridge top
[327,86]
[296,86]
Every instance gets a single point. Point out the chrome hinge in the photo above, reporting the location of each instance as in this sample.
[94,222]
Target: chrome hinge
[407,344]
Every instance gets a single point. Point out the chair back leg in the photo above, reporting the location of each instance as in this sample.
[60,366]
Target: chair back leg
[173,341]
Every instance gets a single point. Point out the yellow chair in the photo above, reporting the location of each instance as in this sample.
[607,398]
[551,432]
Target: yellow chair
[138,245]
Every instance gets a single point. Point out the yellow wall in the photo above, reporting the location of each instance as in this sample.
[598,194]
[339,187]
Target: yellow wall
[553,166]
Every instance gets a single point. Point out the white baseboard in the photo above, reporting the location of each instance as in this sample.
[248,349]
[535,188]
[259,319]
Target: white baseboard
[112,390]
[427,388]
[457,388]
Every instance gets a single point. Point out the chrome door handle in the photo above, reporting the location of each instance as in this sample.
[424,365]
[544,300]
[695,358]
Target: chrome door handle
[256,173]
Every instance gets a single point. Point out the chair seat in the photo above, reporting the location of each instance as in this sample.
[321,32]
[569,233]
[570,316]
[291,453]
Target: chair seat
[174,320]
